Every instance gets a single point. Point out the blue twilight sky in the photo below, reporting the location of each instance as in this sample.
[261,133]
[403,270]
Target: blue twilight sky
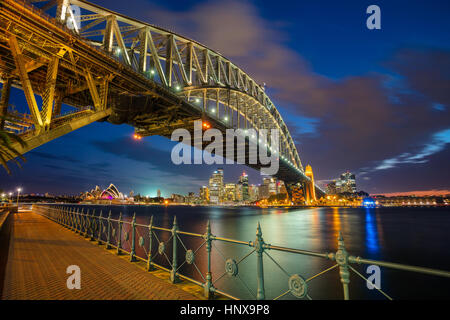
[375,102]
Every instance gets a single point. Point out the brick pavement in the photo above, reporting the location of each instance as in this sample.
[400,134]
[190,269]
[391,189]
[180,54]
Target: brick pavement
[41,250]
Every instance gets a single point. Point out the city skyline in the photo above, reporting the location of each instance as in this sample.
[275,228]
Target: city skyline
[365,135]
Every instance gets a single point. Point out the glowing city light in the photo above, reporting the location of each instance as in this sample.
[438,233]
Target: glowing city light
[206,125]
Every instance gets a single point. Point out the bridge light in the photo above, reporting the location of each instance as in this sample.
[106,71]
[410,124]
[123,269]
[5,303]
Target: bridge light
[226,118]
[197,100]
[152,71]
[177,88]
[206,125]
[213,110]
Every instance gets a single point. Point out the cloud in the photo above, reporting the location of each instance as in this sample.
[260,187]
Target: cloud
[359,123]
[438,143]
[357,120]
[53,156]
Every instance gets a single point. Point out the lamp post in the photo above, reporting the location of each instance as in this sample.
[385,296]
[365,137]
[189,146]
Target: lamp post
[18,194]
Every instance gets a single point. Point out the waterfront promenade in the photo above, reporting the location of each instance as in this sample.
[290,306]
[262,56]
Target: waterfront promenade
[40,250]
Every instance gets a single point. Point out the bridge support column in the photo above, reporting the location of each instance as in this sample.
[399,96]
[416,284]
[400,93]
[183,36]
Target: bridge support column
[310,187]
[4,101]
[296,192]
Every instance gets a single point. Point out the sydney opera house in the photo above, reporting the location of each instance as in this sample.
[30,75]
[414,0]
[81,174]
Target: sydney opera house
[110,194]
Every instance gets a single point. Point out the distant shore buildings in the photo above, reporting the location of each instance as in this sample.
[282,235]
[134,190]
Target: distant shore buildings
[345,184]
[217,192]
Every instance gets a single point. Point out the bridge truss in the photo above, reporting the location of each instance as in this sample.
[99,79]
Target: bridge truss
[115,68]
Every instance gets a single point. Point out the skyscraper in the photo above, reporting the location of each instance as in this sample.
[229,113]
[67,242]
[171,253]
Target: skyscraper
[346,183]
[159,193]
[271,184]
[230,192]
[253,192]
[216,187]
[204,194]
[243,182]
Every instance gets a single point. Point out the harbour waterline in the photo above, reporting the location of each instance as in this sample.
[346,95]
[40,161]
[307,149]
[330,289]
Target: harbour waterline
[415,236]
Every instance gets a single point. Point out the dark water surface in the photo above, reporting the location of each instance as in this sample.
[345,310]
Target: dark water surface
[415,236]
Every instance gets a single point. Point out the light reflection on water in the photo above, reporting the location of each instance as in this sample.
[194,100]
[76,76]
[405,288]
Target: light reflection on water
[371,232]
[388,234]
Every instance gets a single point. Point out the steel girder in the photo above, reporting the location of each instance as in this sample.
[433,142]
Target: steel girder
[174,61]
[108,56]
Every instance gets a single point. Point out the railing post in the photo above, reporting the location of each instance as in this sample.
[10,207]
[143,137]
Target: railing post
[100,228]
[108,234]
[173,273]
[119,236]
[342,260]
[78,222]
[133,239]
[72,222]
[75,219]
[150,236]
[70,219]
[92,225]
[74,225]
[81,221]
[259,246]
[208,292]
[86,224]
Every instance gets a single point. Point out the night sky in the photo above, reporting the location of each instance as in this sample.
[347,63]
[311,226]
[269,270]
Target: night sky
[374,102]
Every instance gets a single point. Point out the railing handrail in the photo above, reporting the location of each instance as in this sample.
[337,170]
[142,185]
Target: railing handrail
[83,221]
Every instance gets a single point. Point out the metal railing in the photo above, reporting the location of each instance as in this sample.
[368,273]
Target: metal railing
[121,235]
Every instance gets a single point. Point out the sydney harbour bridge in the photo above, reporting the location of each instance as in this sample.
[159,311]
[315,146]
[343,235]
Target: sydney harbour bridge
[110,67]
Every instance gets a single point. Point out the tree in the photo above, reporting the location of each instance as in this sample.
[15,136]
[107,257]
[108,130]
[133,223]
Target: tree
[7,150]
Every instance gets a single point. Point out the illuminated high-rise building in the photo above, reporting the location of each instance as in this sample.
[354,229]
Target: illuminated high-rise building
[230,192]
[271,184]
[243,184]
[204,194]
[346,183]
[216,187]
[253,192]
[332,187]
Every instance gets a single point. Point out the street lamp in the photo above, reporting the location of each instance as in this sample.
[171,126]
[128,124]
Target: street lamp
[18,194]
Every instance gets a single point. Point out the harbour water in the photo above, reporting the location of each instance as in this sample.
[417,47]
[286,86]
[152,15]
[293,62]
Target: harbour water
[414,236]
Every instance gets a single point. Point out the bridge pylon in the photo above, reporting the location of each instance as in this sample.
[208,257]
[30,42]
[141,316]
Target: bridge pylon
[303,192]
[310,190]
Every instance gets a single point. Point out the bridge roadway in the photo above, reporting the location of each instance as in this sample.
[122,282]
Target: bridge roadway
[40,251]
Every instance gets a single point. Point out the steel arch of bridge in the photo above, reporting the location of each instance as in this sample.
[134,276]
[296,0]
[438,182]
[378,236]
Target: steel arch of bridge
[178,62]
[152,61]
